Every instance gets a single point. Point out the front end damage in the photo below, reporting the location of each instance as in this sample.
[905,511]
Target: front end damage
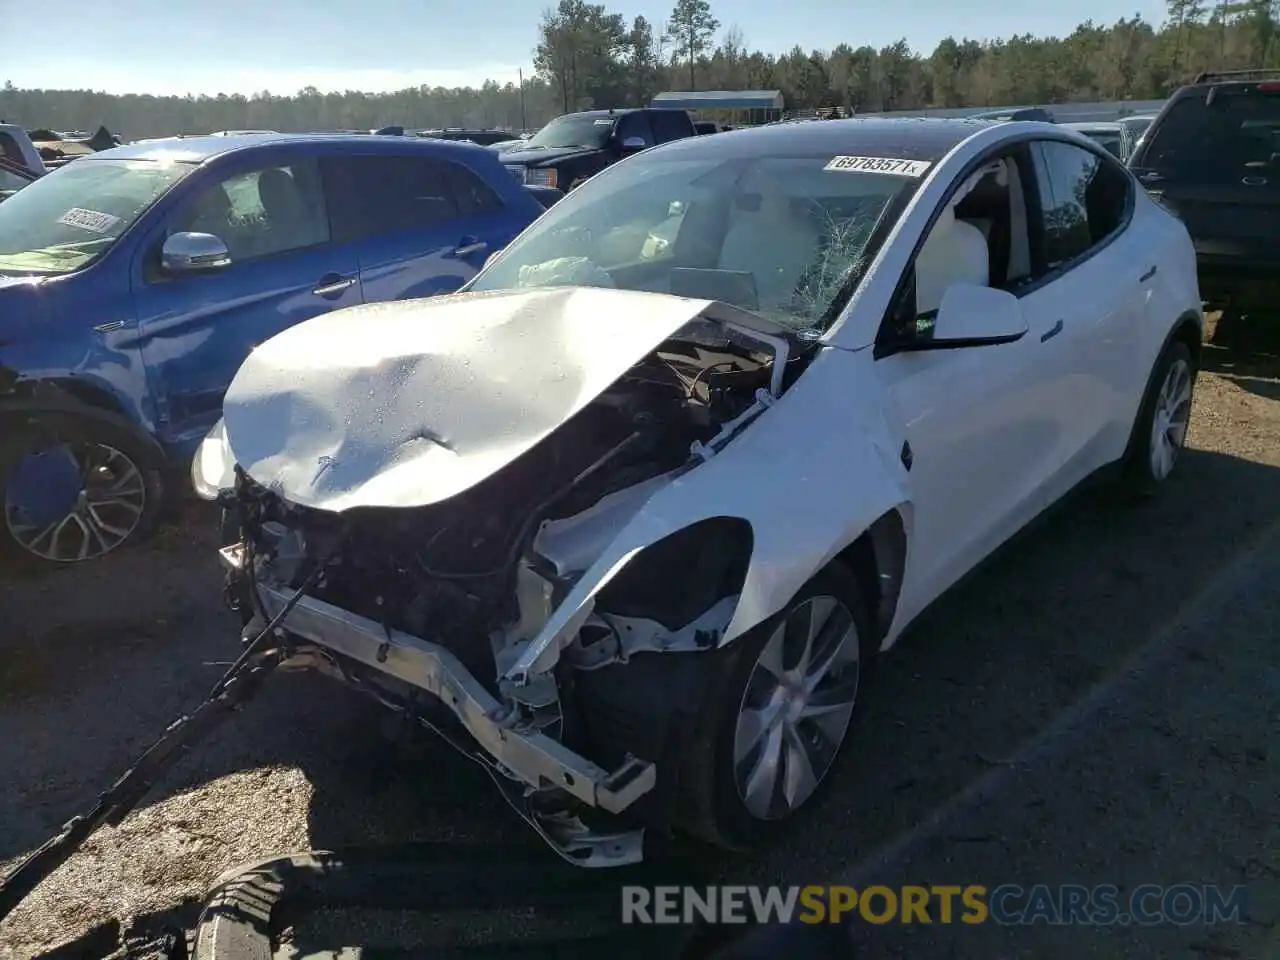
[502,583]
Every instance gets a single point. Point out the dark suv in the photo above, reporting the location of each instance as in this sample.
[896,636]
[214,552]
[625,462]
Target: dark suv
[1212,156]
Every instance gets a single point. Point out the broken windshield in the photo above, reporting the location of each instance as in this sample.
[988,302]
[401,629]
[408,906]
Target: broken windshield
[785,237]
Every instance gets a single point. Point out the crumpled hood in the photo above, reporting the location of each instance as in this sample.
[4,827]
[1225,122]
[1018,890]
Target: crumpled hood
[410,403]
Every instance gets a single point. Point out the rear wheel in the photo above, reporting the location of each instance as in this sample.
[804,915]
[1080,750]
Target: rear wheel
[1160,432]
[74,490]
[772,729]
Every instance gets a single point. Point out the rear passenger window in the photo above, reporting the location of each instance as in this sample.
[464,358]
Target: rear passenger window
[635,125]
[1084,199]
[670,125]
[473,194]
[1237,136]
[373,196]
[10,150]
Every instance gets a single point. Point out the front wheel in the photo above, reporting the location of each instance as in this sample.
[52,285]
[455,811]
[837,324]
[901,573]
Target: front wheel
[75,490]
[772,729]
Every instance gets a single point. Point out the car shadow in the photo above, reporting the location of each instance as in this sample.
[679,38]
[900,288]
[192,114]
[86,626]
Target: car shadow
[989,665]
[1256,373]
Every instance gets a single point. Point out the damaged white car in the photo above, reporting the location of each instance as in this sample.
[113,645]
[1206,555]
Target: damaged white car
[625,520]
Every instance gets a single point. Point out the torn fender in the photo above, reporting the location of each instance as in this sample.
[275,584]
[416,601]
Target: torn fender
[808,477]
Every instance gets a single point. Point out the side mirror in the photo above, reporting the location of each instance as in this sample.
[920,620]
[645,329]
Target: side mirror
[972,315]
[633,145]
[187,253]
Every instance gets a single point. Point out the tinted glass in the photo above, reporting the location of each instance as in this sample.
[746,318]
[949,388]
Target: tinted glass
[636,125]
[261,212]
[670,124]
[70,217]
[573,130]
[372,196]
[1108,140]
[11,182]
[1083,197]
[778,235]
[474,196]
[9,149]
[1237,136]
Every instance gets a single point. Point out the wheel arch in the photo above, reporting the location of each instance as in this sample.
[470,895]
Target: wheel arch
[1187,329]
[877,558]
[31,400]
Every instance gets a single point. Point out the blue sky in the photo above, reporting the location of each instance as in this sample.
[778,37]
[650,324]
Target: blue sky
[240,46]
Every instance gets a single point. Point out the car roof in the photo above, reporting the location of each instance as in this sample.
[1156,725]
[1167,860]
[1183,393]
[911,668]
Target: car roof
[1112,125]
[200,149]
[906,138]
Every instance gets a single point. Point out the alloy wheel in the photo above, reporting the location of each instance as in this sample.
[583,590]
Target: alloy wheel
[1172,414]
[103,513]
[795,711]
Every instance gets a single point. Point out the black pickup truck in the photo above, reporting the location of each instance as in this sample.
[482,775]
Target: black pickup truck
[576,146]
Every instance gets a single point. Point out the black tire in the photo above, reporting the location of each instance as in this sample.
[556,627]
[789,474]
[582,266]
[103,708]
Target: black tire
[711,807]
[1139,478]
[29,434]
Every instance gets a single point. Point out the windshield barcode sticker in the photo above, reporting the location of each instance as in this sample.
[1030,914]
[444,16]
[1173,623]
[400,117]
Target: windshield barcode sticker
[90,220]
[901,168]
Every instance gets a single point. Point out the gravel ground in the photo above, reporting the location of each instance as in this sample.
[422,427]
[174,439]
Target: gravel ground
[97,661]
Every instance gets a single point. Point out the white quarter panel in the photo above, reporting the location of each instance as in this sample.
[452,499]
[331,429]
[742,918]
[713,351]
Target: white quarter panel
[810,475]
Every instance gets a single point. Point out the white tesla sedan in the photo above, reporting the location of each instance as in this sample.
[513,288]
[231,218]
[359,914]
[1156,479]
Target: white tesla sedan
[624,519]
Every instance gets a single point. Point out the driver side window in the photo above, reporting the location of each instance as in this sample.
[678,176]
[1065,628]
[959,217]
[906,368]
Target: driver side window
[635,125]
[980,238]
[261,212]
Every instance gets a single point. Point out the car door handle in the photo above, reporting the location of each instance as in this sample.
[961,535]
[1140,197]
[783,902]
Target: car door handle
[333,285]
[469,245]
[1057,329]
[1147,276]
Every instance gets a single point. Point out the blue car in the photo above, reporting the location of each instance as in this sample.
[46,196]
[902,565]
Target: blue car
[134,282]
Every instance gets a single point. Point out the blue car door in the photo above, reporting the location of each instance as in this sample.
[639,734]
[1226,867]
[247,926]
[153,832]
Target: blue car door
[196,327]
[424,225]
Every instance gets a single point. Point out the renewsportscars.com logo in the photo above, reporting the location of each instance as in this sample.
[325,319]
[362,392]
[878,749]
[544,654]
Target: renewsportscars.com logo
[1008,905]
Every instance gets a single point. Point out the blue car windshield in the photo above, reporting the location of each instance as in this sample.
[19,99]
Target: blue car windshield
[70,217]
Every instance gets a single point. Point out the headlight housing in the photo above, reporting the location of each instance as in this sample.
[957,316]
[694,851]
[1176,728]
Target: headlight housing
[541,177]
[213,470]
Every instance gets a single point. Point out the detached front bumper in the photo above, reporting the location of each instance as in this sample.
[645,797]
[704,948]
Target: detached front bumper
[527,759]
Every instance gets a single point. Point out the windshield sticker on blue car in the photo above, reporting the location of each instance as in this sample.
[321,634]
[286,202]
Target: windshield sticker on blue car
[90,220]
[900,168]
[604,121]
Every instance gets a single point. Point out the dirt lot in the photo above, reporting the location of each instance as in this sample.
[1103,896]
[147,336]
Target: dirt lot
[1176,780]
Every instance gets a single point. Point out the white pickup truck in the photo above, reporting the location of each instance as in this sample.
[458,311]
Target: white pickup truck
[16,147]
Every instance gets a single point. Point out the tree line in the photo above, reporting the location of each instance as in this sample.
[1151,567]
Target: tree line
[590,56]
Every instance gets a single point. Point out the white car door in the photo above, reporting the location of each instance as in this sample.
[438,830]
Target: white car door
[983,427]
[1086,308]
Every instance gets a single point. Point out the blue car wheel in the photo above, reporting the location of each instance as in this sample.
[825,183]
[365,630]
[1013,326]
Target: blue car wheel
[76,494]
